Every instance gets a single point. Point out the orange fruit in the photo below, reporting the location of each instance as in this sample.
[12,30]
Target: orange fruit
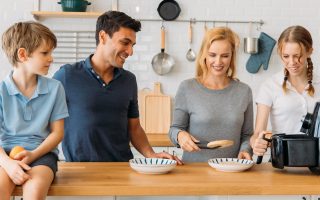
[15,150]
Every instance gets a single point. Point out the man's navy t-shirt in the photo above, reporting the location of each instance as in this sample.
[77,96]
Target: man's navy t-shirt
[97,127]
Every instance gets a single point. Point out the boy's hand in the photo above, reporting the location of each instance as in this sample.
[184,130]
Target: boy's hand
[25,156]
[15,170]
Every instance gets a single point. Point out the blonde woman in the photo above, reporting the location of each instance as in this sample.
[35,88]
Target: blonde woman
[289,94]
[214,105]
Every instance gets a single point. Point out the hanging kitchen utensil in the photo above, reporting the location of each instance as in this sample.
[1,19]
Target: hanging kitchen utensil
[250,43]
[191,55]
[169,10]
[162,63]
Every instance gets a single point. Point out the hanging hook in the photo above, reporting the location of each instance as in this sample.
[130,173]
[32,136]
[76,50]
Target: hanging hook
[259,27]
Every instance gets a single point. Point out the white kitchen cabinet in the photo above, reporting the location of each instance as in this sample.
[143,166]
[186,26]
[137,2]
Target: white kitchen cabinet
[315,197]
[83,198]
[175,198]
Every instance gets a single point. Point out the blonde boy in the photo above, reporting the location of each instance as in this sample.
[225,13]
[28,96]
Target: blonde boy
[32,112]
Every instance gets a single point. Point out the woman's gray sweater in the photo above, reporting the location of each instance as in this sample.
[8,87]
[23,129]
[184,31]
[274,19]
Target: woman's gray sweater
[208,115]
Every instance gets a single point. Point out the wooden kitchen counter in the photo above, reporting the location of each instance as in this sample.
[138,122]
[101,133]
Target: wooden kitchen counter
[118,179]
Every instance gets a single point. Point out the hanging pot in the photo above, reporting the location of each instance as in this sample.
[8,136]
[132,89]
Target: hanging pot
[169,10]
[74,5]
[251,45]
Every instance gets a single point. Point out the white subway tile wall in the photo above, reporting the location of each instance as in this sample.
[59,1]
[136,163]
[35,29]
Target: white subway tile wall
[277,15]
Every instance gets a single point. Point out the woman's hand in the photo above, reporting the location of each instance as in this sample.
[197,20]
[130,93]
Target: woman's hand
[244,155]
[260,145]
[187,142]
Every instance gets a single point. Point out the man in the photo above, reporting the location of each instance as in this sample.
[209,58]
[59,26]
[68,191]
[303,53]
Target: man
[102,98]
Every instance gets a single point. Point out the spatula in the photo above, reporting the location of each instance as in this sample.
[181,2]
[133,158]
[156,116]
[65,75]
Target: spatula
[214,144]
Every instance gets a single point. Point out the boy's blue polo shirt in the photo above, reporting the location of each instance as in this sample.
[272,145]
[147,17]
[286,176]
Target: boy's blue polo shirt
[26,122]
[97,129]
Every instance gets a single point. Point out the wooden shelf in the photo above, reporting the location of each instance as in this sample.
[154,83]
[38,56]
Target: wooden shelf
[47,14]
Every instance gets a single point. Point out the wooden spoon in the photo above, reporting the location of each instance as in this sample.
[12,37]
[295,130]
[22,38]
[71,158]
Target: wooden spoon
[214,144]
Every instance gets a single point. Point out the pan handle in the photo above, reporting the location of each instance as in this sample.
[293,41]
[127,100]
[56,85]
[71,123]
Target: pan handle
[163,38]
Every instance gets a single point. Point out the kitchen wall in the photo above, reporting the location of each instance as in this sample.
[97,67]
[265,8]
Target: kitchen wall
[276,14]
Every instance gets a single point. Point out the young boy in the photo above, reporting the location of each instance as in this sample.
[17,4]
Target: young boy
[32,112]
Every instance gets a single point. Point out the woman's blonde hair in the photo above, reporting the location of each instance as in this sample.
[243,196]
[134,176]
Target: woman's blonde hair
[28,35]
[218,33]
[301,36]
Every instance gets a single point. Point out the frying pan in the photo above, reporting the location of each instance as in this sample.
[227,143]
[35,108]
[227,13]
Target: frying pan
[169,10]
[162,63]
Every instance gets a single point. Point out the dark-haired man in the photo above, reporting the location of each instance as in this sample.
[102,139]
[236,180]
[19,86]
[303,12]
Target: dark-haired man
[102,98]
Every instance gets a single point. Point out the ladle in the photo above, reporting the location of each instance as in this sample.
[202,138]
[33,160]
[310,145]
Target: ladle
[191,55]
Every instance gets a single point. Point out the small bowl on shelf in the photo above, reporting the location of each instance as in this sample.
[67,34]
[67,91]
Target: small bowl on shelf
[74,5]
[152,165]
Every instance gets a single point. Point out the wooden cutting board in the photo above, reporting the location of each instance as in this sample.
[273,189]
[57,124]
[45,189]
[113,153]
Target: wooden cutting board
[155,110]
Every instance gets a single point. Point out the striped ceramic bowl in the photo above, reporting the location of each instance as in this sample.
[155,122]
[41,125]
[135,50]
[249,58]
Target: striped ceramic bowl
[152,165]
[230,164]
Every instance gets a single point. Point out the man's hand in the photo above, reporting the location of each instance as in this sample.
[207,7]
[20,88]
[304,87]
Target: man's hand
[166,155]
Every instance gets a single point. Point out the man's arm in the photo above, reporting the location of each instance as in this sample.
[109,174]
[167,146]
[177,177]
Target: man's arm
[138,138]
[140,141]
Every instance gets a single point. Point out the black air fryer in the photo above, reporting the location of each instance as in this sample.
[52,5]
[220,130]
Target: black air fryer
[298,150]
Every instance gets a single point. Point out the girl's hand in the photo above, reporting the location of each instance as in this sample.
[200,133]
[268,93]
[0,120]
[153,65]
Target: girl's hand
[187,142]
[260,145]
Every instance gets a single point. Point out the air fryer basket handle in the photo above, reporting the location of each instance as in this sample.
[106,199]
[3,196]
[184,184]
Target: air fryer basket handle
[259,159]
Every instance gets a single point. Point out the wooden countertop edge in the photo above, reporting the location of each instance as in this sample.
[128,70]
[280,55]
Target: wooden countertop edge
[118,179]
[174,191]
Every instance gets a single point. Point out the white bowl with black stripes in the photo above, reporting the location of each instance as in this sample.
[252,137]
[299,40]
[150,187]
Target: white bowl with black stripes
[152,165]
[230,164]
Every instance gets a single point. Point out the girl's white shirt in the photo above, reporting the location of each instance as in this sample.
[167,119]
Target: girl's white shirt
[287,109]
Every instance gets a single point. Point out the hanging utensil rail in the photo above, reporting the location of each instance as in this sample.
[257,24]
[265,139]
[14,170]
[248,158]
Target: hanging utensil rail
[194,20]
